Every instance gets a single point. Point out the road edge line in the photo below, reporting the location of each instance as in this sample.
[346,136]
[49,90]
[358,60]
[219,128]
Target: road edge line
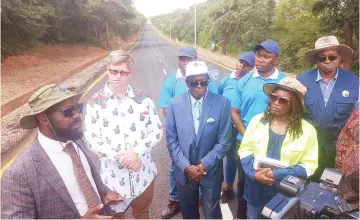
[87,90]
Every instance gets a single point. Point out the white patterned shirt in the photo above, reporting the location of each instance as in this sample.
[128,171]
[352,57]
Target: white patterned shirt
[113,125]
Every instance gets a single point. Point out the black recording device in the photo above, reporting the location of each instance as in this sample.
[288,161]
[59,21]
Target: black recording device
[297,200]
[117,207]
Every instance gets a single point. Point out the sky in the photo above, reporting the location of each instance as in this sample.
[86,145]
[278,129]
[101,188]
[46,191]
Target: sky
[157,7]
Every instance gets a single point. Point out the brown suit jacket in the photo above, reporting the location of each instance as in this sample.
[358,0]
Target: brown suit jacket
[32,187]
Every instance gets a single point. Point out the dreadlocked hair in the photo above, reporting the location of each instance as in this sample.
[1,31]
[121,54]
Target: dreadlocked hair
[295,126]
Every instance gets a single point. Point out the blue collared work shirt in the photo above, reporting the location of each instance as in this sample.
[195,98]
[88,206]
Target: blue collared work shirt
[326,88]
[249,96]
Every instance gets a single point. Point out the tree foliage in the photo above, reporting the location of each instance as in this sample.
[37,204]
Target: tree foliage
[341,17]
[296,30]
[25,22]
[239,25]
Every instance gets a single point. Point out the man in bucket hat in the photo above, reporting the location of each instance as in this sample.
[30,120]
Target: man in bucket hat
[198,135]
[55,176]
[174,85]
[332,93]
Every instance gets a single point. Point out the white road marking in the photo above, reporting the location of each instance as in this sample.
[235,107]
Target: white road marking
[226,212]
[157,54]
[159,60]
[164,71]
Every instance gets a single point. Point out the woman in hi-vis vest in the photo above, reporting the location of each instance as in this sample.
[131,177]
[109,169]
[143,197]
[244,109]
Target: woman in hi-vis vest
[280,134]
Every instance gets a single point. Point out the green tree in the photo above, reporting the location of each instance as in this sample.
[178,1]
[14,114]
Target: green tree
[296,30]
[341,17]
[22,23]
[25,22]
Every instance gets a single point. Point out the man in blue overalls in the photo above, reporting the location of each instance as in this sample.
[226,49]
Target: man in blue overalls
[175,85]
[227,86]
[332,94]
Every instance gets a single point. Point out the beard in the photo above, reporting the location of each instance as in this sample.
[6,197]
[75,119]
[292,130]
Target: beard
[65,134]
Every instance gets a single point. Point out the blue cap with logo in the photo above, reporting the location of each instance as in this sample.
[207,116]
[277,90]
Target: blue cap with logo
[187,51]
[270,46]
[249,57]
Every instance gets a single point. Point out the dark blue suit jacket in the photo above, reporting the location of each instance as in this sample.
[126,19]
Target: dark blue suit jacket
[212,144]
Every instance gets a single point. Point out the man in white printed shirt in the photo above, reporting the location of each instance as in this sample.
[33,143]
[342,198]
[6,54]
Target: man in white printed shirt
[122,126]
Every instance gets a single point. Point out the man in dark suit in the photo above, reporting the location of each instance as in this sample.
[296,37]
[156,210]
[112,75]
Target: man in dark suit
[55,177]
[198,134]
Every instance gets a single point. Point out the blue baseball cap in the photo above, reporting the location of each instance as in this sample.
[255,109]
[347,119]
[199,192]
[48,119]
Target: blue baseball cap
[270,46]
[187,51]
[249,57]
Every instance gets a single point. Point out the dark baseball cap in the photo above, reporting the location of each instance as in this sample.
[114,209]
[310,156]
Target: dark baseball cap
[249,57]
[187,51]
[270,46]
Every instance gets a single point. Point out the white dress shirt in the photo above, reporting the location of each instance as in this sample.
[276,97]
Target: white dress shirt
[64,166]
[196,112]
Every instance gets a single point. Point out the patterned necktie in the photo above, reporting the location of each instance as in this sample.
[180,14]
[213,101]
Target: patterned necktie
[196,116]
[91,197]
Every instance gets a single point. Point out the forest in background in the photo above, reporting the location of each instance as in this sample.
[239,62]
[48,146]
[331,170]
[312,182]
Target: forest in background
[24,23]
[239,25]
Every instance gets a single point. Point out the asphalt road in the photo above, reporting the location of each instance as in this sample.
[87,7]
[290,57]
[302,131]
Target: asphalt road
[153,58]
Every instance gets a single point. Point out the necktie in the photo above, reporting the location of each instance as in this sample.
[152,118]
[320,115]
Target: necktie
[196,116]
[91,197]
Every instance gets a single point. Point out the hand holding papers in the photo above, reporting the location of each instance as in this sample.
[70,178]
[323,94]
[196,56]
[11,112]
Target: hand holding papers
[265,162]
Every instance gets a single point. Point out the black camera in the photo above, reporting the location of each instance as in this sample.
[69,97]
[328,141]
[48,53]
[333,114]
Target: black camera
[298,200]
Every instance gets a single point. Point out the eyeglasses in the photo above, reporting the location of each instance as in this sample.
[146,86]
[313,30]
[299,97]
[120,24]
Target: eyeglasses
[195,83]
[70,110]
[322,59]
[282,100]
[116,72]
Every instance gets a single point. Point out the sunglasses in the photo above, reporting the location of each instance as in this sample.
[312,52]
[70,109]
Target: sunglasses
[195,83]
[116,72]
[70,110]
[322,59]
[282,100]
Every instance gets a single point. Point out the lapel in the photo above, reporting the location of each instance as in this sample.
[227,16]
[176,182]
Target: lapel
[188,115]
[204,115]
[47,169]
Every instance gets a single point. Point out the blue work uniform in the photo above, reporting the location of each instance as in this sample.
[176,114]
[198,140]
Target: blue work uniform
[249,96]
[329,105]
[227,88]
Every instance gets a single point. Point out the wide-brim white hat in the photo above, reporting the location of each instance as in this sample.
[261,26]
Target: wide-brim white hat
[328,43]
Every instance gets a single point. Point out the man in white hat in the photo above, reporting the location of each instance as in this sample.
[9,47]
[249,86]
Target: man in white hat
[173,86]
[198,135]
[332,93]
